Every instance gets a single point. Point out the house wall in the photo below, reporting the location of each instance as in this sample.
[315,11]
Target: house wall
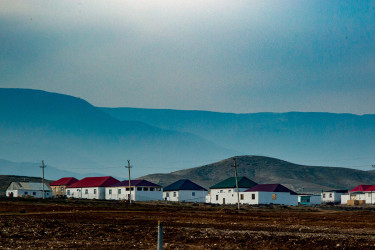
[185,195]
[282,198]
[33,193]
[331,197]
[120,193]
[91,193]
[314,199]
[344,199]
[58,190]
[368,197]
[224,195]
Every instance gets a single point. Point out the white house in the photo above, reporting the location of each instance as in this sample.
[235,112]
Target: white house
[309,199]
[22,189]
[364,193]
[333,196]
[90,187]
[184,190]
[141,190]
[225,192]
[269,194]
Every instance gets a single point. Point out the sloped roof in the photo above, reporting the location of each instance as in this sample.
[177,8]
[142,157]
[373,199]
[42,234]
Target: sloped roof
[243,182]
[66,181]
[104,181]
[360,188]
[29,186]
[183,184]
[270,188]
[371,188]
[337,191]
[135,183]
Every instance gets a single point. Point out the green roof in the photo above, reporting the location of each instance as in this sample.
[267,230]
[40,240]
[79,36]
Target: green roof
[243,182]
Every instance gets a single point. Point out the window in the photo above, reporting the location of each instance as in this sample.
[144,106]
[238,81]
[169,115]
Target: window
[330,195]
[145,189]
[131,189]
[34,193]
[152,189]
[221,191]
[139,189]
[62,189]
[55,189]
[110,191]
[95,191]
[217,197]
[193,194]
[369,195]
[86,191]
[229,191]
[253,196]
[241,196]
[167,194]
[174,194]
[68,192]
[119,191]
[324,195]
[127,189]
[158,189]
[26,192]
[78,190]
[273,196]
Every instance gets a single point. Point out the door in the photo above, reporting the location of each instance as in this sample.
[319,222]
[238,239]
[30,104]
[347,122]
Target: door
[223,201]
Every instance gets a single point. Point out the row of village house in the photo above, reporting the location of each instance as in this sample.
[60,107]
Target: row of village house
[185,190]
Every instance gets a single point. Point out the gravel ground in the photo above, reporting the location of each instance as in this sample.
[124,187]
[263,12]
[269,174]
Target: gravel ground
[116,225]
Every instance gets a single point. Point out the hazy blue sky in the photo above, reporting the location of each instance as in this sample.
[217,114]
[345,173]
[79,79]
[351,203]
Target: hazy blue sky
[230,56]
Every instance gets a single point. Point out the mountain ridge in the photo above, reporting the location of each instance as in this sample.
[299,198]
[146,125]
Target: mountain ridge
[68,131]
[268,170]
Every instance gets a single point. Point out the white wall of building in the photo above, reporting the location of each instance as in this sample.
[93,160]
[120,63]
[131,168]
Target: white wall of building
[334,197]
[86,193]
[255,198]
[33,193]
[368,197]
[224,195]
[185,195]
[137,193]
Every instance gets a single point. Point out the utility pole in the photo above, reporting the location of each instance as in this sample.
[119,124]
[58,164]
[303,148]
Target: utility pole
[235,174]
[43,167]
[130,190]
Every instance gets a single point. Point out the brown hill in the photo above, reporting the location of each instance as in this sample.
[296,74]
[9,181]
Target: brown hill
[262,169]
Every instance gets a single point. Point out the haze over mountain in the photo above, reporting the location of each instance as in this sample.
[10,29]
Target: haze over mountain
[266,170]
[71,134]
[307,138]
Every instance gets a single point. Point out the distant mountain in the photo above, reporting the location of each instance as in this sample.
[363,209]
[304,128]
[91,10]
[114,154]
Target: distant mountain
[32,169]
[266,170]
[308,138]
[72,135]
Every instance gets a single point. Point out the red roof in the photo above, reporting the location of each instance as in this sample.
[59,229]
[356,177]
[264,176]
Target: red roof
[104,181]
[66,181]
[360,188]
[370,188]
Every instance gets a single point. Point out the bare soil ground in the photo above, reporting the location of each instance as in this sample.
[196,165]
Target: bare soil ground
[110,224]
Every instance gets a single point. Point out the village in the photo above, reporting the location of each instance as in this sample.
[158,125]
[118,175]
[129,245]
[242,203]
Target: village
[232,190]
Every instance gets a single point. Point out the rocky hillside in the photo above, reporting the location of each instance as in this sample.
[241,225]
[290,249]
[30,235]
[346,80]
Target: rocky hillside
[264,170]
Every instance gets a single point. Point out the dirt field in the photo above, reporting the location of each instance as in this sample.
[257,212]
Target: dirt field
[117,225]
